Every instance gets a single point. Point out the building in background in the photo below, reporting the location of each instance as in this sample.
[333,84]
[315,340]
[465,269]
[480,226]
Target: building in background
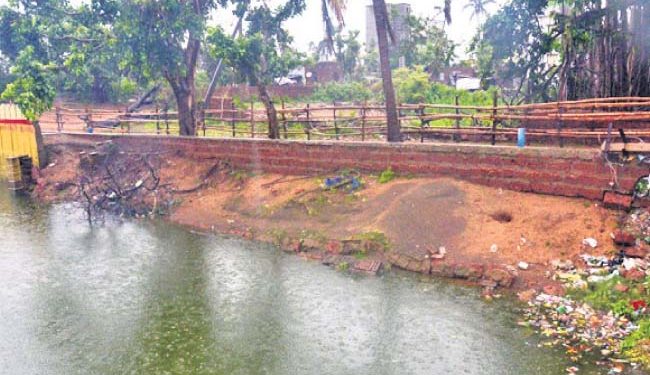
[398,14]
[458,76]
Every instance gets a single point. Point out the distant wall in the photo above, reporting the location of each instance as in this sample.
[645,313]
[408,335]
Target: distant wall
[555,171]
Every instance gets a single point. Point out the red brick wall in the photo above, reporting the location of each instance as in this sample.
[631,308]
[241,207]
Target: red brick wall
[566,172]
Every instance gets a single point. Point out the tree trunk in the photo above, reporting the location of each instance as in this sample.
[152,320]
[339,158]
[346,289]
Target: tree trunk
[271,113]
[186,111]
[184,89]
[99,89]
[394,133]
[40,146]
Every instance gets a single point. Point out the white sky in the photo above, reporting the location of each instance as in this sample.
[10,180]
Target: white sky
[308,27]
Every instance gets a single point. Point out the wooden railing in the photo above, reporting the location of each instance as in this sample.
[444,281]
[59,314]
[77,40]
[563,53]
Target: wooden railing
[573,121]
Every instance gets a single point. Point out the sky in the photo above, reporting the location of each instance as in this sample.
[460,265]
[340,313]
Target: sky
[308,27]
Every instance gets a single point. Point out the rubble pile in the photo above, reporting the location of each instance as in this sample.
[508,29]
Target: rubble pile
[614,283]
[578,327]
[638,224]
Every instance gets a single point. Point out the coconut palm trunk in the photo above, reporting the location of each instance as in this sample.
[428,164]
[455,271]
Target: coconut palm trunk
[381,21]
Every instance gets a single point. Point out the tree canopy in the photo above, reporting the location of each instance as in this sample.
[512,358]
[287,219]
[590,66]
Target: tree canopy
[548,50]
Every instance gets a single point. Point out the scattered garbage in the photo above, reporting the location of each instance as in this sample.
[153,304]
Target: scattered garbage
[494,248]
[564,265]
[348,180]
[591,242]
[576,326]
[440,254]
[522,265]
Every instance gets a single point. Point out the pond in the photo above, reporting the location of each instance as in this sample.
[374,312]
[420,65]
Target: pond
[142,297]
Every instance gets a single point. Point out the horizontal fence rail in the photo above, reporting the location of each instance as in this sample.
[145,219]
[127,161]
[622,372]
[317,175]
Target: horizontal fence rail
[582,121]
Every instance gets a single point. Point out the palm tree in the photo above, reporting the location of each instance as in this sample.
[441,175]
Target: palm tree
[478,8]
[383,29]
[338,7]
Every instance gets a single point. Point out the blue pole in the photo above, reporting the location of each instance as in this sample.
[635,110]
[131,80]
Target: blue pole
[521,137]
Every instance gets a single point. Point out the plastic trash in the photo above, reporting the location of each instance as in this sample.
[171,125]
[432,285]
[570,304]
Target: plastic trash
[591,242]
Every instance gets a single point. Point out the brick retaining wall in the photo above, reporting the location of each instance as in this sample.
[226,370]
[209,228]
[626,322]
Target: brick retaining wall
[565,172]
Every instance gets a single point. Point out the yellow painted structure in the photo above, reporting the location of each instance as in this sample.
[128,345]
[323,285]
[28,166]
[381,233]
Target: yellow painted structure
[17,137]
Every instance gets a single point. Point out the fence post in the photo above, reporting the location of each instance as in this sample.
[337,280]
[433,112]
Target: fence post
[457,134]
[284,119]
[252,118]
[363,121]
[336,125]
[232,118]
[165,109]
[308,123]
[59,123]
[495,102]
[202,117]
[560,124]
[157,121]
[420,113]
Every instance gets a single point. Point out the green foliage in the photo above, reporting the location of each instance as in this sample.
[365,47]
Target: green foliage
[642,187]
[428,45]
[76,39]
[412,85]
[633,345]
[374,239]
[386,176]
[347,51]
[5,76]
[123,88]
[264,52]
[342,92]
[514,45]
[604,296]
[33,87]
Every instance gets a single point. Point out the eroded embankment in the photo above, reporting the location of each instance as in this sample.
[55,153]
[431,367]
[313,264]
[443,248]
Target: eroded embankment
[485,232]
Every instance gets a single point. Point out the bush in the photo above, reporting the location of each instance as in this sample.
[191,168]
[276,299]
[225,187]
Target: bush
[412,85]
[386,176]
[342,92]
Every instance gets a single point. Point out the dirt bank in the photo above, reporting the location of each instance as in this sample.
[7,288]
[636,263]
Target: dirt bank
[485,232]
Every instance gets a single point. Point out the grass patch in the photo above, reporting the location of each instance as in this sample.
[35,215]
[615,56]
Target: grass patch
[279,236]
[373,241]
[636,345]
[603,295]
[386,176]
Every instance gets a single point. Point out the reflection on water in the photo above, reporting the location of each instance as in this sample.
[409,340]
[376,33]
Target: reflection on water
[144,298]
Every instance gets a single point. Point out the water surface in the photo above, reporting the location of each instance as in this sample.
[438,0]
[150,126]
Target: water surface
[150,298]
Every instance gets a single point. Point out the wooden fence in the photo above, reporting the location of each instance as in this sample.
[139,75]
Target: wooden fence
[584,121]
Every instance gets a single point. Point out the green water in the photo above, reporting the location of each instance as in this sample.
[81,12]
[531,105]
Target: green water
[145,298]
